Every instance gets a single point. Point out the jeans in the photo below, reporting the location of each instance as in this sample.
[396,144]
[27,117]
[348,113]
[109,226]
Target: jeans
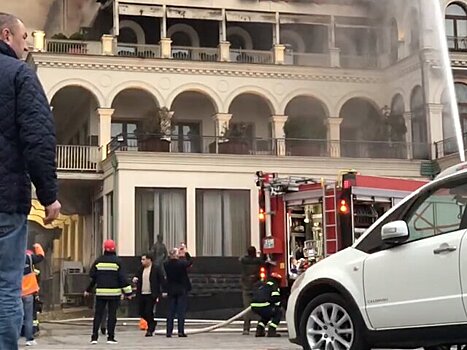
[112,306]
[13,237]
[146,311]
[246,295]
[28,307]
[177,305]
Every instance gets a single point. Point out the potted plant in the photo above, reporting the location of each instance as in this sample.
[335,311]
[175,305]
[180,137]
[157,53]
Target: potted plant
[152,133]
[235,140]
[305,136]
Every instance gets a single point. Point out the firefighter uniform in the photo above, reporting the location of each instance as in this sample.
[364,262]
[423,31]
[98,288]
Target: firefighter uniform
[109,279]
[266,302]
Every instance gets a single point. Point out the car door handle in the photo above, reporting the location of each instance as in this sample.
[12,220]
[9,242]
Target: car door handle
[445,249]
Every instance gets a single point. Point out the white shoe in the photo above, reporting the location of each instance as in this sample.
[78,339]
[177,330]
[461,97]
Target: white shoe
[112,341]
[93,342]
[31,343]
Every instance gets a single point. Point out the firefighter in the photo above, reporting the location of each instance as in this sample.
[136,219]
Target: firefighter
[37,305]
[266,302]
[109,279]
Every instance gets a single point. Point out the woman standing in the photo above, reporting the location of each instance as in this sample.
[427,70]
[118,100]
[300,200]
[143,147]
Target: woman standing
[177,287]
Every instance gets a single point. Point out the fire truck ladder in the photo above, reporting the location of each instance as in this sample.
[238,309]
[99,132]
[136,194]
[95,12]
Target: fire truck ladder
[330,239]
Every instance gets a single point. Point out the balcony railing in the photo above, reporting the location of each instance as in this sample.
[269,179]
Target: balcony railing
[75,47]
[206,54]
[447,147]
[275,147]
[308,59]
[78,158]
[359,61]
[251,56]
[137,50]
[457,43]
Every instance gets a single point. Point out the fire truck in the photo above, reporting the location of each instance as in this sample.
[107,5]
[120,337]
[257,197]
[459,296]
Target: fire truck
[304,220]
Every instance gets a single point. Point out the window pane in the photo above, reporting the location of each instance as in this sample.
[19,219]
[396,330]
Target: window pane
[223,222]
[449,24]
[455,10]
[159,211]
[117,129]
[462,28]
[440,213]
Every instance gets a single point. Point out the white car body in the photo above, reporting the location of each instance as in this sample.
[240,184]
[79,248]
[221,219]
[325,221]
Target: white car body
[410,288]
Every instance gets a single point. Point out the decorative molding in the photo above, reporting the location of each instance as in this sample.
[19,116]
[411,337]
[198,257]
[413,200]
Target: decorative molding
[205,68]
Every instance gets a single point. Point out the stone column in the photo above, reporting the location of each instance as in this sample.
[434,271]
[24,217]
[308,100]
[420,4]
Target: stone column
[39,40]
[224,51]
[335,57]
[435,124]
[279,54]
[105,129]
[166,47]
[221,125]
[108,44]
[334,137]
[278,134]
[165,120]
[408,135]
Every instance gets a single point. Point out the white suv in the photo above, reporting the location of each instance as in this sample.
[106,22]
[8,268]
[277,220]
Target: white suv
[403,284]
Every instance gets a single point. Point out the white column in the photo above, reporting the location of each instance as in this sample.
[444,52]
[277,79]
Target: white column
[408,137]
[221,123]
[191,220]
[224,51]
[334,52]
[164,22]
[278,134]
[334,137]
[39,40]
[124,215]
[255,239]
[279,54]
[105,129]
[166,47]
[435,124]
[108,44]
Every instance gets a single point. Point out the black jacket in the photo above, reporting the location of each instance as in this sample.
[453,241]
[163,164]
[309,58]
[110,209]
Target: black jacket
[177,280]
[156,279]
[266,294]
[27,137]
[250,271]
[108,277]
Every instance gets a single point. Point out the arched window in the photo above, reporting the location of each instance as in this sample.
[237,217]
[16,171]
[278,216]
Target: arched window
[394,42]
[456,27]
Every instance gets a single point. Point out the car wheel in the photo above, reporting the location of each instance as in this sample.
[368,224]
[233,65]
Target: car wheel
[330,323]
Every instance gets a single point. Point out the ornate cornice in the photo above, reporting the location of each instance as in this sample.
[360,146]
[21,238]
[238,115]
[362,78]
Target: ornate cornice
[162,66]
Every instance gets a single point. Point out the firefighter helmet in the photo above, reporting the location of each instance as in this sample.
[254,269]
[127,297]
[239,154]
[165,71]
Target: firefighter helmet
[276,276]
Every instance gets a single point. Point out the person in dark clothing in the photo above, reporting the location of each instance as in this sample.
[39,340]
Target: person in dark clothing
[250,276]
[27,153]
[266,302]
[177,287]
[149,280]
[109,279]
[159,252]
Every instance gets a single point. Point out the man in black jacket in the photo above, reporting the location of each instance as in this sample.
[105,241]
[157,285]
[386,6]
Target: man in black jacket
[109,279]
[27,152]
[177,287]
[149,280]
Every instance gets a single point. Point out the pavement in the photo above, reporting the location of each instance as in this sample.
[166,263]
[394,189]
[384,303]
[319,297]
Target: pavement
[77,337]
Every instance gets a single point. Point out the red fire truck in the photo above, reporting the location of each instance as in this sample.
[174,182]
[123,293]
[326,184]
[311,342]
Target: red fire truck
[304,220]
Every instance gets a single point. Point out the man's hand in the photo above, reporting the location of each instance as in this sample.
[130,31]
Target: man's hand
[52,212]
[135,280]
[86,294]
[164,295]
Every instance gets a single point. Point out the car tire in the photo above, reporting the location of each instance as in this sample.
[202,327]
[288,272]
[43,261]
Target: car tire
[343,324]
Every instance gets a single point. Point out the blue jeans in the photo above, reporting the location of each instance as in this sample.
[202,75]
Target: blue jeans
[28,307]
[13,237]
[177,306]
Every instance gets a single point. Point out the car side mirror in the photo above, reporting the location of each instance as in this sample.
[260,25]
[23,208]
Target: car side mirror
[395,232]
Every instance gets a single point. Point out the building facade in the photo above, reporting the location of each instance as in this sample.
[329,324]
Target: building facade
[165,110]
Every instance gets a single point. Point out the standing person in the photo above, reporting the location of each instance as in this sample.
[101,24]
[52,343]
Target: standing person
[148,280]
[30,288]
[250,276]
[27,151]
[177,287]
[266,302]
[159,252]
[109,279]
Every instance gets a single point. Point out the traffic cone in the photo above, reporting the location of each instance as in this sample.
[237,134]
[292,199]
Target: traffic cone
[143,325]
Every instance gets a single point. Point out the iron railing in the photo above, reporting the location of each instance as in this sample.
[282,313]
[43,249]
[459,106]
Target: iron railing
[206,54]
[448,146]
[138,50]
[251,56]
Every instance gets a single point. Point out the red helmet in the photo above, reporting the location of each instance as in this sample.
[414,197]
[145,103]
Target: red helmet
[110,246]
[276,276]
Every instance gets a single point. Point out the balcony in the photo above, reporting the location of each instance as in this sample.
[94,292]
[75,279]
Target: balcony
[447,147]
[75,158]
[136,50]
[457,43]
[288,147]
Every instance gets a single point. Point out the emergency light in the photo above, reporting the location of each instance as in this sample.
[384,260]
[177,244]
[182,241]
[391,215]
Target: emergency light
[343,208]
[262,273]
[261,215]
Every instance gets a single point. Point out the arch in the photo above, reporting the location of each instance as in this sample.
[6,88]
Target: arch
[137,85]
[362,95]
[397,126]
[136,28]
[81,83]
[242,33]
[254,90]
[188,30]
[456,25]
[294,37]
[305,93]
[307,117]
[203,89]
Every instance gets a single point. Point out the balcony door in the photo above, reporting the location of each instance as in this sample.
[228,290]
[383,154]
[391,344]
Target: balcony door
[127,130]
[456,27]
[186,137]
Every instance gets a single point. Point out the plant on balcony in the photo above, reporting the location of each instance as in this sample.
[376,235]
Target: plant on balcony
[152,135]
[235,140]
[305,135]
[59,36]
